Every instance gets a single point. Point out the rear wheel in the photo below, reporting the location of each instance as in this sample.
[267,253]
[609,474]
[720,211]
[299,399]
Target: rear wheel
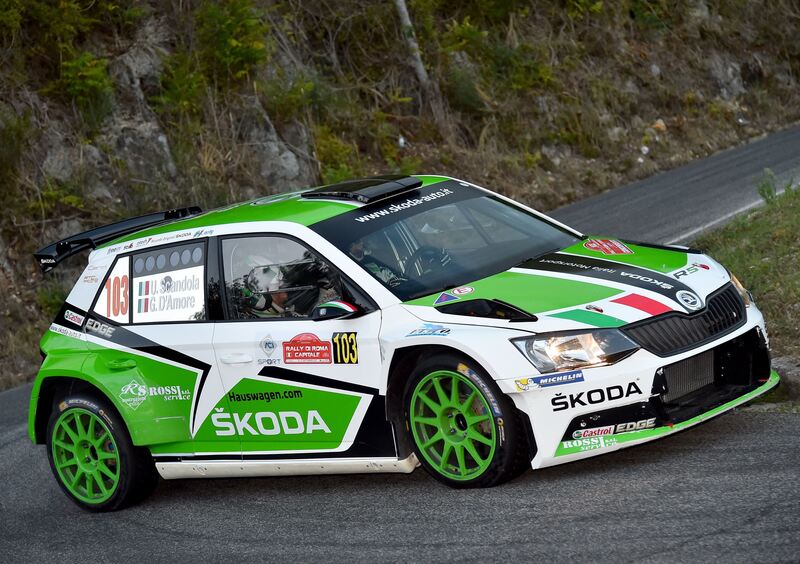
[465,431]
[92,456]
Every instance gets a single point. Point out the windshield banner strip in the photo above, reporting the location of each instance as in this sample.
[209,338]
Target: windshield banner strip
[369,218]
[611,271]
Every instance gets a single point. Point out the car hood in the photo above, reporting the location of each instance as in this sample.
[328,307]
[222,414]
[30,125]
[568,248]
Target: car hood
[598,282]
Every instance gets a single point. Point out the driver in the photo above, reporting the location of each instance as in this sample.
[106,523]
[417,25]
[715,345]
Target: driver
[289,289]
[377,268]
[265,295]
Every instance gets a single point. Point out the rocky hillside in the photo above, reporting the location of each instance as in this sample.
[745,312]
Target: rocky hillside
[110,108]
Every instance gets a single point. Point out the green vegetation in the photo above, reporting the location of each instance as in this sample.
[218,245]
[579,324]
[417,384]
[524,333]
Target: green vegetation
[231,36]
[763,249]
[116,107]
[85,79]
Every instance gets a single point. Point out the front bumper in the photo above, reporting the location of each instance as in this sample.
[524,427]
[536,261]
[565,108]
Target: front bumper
[645,397]
[571,447]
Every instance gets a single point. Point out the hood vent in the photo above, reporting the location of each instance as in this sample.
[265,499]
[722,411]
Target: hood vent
[493,309]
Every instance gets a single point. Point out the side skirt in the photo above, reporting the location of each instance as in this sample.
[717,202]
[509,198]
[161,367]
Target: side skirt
[255,468]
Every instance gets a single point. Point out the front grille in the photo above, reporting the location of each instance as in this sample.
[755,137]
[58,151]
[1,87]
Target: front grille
[687,376]
[676,332]
[704,381]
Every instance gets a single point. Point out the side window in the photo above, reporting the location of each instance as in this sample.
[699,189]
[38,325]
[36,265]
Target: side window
[169,284]
[114,300]
[271,277]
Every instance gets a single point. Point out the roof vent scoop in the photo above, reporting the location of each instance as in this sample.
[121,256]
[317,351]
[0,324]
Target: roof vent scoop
[366,190]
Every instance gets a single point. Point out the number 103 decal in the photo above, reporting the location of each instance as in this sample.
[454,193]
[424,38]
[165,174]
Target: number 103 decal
[345,348]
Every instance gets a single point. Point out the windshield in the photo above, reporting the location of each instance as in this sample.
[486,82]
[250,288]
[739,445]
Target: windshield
[440,236]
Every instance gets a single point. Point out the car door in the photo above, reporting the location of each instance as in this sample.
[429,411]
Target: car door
[151,337]
[296,385]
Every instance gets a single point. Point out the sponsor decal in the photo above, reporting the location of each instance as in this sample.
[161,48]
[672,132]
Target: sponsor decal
[690,300]
[267,423]
[306,348]
[694,267]
[135,393]
[91,279]
[264,396]
[607,247]
[594,432]
[345,348]
[102,329]
[560,402]
[615,429]
[67,332]
[589,443]
[647,280]
[409,203]
[74,318]
[202,233]
[592,307]
[600,269]
[549,380]
[444,298]
[465,370]
[128,246]
[47,261]
[268,346]
[430,330]
[463,290]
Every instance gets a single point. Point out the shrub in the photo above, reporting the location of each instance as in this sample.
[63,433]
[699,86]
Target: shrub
[182,88]
[338,159]
[231,36]
[287,98]
[13,134]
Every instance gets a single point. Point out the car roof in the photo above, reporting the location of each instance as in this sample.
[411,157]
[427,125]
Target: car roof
[290,207]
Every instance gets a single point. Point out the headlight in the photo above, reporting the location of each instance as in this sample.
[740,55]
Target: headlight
[747,297]
[554,352]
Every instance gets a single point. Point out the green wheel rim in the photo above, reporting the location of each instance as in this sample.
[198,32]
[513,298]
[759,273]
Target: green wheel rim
[452,425]
[85,456]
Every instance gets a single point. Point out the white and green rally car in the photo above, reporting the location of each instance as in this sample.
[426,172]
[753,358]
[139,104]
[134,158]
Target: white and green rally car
[371,326]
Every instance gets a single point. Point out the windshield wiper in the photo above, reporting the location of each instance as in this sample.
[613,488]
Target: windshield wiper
[536,257]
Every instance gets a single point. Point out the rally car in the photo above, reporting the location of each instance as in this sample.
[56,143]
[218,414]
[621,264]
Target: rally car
[373,326]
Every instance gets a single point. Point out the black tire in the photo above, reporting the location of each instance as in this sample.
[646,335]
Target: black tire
[509,457]
[137,476]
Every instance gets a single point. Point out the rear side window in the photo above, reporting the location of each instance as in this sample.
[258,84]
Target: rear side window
[114,300]
[168,284]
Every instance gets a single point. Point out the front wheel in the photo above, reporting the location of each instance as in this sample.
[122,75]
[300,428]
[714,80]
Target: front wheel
[92,456]
[465,431]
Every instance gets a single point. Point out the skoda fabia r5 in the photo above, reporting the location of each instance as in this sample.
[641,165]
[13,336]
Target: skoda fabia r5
[374,326]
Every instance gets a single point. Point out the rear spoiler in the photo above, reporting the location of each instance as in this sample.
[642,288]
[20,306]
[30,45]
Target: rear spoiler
[48,257]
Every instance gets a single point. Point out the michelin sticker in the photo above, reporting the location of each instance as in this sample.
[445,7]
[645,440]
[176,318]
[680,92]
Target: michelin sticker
[527,384]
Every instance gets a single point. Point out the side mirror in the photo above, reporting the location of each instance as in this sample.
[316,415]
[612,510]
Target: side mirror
[335,309]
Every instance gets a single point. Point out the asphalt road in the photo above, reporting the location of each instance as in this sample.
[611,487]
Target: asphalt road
[676,206]
[728,490]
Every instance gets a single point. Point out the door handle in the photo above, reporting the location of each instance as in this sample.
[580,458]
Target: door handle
[121,364]
[236,358]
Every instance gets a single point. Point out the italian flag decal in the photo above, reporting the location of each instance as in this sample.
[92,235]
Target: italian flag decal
[340,305]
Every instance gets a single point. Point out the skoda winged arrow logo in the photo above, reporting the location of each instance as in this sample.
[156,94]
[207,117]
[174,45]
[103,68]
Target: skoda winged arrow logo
[690,300]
